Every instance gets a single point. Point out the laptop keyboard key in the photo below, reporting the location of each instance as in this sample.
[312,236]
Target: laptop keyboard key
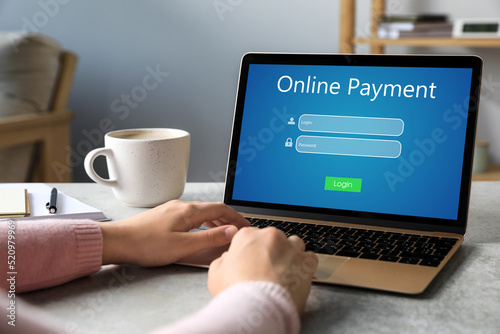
[437,258]
[309,227]
[369,256]
[325,229]
[363,233]
[448,241]
[427,251]
[352,249]
[384,247]
[330,249]
[351,237]
[366,244]
[390,253]
[429,263]
[370,250]
[414,255]
[441,252]
[444,248]
[314,246]
[368,239]
[347,242]
[347,253]
[409,260]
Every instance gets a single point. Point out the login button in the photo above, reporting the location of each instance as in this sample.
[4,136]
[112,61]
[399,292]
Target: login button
[343,184]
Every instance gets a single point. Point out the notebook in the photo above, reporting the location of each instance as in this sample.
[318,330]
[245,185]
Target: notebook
[367,157]
[14,203]
[38,194]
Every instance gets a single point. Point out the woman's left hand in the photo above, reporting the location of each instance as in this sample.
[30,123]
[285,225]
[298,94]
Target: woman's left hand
[161,235]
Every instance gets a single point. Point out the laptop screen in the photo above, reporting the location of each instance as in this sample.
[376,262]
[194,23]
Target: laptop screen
[386,137]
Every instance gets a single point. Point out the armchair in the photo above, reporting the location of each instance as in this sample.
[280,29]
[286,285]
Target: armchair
[48,130]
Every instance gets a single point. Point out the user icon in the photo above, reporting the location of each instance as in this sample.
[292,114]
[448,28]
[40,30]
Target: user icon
[291,121]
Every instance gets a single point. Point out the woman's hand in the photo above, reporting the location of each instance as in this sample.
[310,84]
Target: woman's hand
[265,255]
[161,235]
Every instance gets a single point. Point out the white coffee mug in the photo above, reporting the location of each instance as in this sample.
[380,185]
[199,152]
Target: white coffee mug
[146,167]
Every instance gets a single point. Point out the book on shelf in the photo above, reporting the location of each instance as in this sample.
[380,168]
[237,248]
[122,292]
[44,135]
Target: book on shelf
[415,25]
[413,18]
[395,30]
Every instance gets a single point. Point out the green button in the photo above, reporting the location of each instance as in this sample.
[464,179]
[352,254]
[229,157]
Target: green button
[343,184]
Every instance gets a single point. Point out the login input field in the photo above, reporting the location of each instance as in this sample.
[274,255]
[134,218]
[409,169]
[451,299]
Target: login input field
[376,148]
[351,125]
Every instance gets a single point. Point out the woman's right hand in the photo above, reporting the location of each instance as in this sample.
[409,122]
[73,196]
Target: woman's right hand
[265,255]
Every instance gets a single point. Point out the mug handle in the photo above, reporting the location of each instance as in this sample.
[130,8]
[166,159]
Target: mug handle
[89,165]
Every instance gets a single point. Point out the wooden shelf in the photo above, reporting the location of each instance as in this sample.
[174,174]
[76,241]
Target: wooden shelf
[493,174]
[348,40]
[464,42]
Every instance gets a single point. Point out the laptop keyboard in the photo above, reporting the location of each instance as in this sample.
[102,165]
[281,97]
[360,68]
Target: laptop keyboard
[364,243]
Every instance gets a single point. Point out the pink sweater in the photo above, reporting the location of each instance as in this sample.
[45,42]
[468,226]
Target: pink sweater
[52,252]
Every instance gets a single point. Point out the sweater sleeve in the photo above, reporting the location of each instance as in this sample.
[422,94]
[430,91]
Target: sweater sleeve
[49,252]
[248,307]
[52,252]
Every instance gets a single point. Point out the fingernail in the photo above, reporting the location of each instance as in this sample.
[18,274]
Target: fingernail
[230,231]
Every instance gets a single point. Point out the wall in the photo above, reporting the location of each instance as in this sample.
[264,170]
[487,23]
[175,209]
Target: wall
[194,47]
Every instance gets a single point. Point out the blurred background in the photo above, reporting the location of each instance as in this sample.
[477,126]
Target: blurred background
[192,49]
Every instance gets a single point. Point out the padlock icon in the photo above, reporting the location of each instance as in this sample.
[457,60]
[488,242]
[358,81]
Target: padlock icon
[288,142]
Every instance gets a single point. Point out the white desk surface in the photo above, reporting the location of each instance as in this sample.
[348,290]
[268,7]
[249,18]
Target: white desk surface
[464,298]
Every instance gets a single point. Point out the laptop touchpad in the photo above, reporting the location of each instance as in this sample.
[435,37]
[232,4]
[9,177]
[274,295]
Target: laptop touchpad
[328,265]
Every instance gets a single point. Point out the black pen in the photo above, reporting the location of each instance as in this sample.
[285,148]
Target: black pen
[52,205]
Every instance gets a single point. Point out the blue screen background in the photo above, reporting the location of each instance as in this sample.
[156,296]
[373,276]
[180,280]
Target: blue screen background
[421,182]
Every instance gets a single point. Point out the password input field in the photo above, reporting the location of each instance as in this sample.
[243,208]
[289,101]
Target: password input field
[351,125]
[376,148]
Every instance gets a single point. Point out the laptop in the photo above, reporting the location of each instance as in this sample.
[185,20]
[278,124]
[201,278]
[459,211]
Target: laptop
[368,158]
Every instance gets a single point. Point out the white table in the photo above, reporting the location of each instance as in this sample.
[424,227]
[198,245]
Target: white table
[464,298]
